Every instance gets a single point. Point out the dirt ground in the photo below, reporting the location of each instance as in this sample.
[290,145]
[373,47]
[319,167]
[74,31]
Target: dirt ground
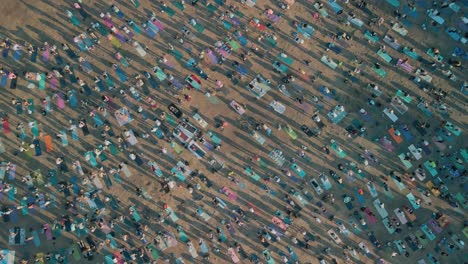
[42,21]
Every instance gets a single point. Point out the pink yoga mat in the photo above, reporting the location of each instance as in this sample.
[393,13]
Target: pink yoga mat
[60,101]
[158,24]
[223,52]
[232,196]
[279,223]
[108,22]
[169,63]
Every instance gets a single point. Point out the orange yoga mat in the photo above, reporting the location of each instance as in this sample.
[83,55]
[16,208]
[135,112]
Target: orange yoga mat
[48,143]
[397,139]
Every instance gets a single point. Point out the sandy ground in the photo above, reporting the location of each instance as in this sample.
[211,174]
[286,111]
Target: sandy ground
[40,21]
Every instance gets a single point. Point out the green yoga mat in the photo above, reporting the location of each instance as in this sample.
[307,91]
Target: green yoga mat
[35,130]
[408,99]
[430,169]
[239,14]
[464,154]
[384,55]
[136,215]
[199,28]
[212,8]
[461,199]
[271,41]
[31,105]
[410,53]
[234,45]
[252,174]
[341,153]
[262,163]
[42,82]
[407,164]
[360,174]
[169,11]
[449,126]
[113,149]
[380,72]
[76,252]
[288,60]
[371,37]
[153,251]
[177,54]
[171,120]
[179,5]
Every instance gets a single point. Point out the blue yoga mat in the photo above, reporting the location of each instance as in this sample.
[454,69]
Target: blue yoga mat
[5,53]
[59,60]
[34,56]
[120,73]
[17,54]
[406,134]
[335,6]
[4,80]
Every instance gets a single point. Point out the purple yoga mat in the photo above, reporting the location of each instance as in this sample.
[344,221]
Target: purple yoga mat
[48,232]
[53,83]
[212,57]
[387,144]
[434,226]
[46,55]
[405,66]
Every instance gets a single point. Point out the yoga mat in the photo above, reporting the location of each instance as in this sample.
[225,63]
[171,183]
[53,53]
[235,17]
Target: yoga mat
[152,249]
[397,139]
[149,31]
[34,56]
[212,8]
[13,83]
[172,215]
[199,28]
[252,174]
[412,200]
[169,11]
[298,170]
[430,168]
[341,153]
[428,232]
[42,81]
[135,214]
[12,172]
[4,80]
